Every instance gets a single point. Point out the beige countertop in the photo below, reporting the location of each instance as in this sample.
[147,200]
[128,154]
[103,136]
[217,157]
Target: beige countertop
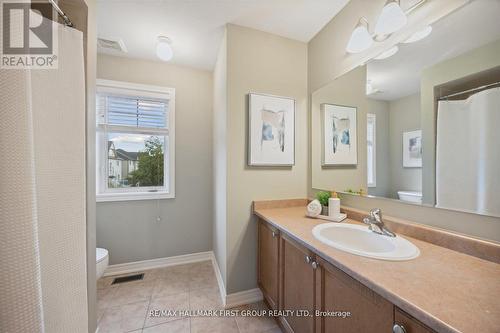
[446,290]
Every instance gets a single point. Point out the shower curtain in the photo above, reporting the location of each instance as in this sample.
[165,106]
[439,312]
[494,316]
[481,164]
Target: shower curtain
[468,153]
[42,194]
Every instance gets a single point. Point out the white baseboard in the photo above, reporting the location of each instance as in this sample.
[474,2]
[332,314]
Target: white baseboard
[243,297]
[136,266]
[235,299]
[229,301]
[220,281]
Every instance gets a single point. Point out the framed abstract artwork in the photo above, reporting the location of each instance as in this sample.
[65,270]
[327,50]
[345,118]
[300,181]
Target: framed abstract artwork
[412,149]
[340,145]
[271,130]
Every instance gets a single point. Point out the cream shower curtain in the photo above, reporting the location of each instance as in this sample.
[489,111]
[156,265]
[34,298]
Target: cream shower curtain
[468,153]
[42,194]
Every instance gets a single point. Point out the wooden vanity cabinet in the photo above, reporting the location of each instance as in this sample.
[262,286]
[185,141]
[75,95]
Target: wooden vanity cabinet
[339,292]
[268,263]
[408,324]
[297,286]
[292,277]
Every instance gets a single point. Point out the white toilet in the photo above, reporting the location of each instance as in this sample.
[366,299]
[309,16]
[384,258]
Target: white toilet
[410,196]
[102,260]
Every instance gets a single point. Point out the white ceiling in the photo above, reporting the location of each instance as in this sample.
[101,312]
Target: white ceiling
[470,27]
[196,26]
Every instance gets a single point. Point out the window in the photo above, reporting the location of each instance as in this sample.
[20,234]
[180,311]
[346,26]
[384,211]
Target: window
[371,128]
[135,141]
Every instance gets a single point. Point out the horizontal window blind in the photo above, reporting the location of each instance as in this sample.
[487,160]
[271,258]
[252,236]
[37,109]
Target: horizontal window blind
[132,111]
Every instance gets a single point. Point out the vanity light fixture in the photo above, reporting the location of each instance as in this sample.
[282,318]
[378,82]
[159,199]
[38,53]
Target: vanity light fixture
[419,35]
[391,19]
[389,53]
[163,49]
[360,38]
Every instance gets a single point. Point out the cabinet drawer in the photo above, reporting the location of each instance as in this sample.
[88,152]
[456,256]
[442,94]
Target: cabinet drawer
[408,324]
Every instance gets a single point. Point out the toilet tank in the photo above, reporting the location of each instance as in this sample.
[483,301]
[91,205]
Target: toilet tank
[410,196]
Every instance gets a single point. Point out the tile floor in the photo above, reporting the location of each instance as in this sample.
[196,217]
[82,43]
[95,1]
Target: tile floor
[125,307]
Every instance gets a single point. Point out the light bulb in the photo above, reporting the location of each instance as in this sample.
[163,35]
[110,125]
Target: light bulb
[360,38]
[391,19]
[163,49]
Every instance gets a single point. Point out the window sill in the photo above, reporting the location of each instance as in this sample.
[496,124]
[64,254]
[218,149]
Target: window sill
[131,196]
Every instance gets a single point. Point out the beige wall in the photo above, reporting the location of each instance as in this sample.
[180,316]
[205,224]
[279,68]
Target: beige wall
[129,229]
[326,51]
[404,116]
[347,90]
[328,60]
[471,62]
[262,63]
[220,159]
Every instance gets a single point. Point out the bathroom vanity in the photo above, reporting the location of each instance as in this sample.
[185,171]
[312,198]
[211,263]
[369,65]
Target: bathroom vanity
[439,291]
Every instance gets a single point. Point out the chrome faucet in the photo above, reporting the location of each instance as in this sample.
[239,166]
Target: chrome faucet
[376,224]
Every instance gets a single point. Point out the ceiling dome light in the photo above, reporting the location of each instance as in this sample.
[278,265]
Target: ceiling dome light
[391,19]
[419,35]
[360,38]
[163,49]
[389,53]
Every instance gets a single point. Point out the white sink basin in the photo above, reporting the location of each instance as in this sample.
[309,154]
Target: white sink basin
[358,239]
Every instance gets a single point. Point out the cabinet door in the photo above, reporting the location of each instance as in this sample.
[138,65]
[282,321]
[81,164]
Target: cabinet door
[408,324]
[297,293]
[369,312]
[268,269]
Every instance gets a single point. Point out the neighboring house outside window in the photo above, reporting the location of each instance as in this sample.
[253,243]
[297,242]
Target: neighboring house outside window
[122,164]
[135,141]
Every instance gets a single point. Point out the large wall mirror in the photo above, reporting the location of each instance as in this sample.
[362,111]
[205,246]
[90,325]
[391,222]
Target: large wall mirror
[426,125]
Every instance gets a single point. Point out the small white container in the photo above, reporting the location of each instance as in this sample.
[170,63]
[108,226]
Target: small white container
[334,207]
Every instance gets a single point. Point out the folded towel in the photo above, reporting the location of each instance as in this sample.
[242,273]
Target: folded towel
[314,208]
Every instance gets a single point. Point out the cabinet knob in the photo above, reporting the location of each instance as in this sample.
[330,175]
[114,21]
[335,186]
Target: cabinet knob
[398,329]
[308,259]
[274,234]
[314,265]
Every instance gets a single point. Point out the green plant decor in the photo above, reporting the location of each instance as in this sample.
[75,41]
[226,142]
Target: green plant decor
[323,197]
[351,191]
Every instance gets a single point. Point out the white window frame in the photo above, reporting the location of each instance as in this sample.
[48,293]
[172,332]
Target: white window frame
[145,193]
[371,117]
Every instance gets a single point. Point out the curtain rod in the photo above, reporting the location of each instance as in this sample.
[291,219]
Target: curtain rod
[67,21]
[469,90]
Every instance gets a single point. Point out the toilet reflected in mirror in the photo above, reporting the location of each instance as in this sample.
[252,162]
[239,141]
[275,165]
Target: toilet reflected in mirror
[410,196]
